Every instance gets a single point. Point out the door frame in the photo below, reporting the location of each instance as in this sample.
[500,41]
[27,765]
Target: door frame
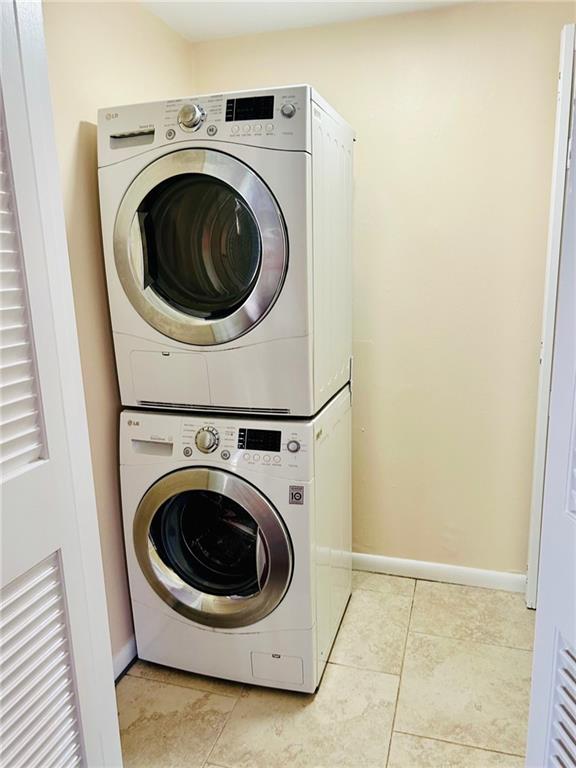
[559,167]
[101,740]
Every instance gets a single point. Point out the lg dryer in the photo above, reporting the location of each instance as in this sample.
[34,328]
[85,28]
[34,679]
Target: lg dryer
[238,541]
[226,224]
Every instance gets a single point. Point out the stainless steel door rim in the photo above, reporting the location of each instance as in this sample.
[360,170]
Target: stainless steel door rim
[129,256]
[201,607]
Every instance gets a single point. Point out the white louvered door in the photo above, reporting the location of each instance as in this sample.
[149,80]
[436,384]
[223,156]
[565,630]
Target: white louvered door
[22,438]
[57,703]
[552,727]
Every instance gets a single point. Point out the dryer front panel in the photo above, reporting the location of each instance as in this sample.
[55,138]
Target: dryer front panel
[213,547]
[200,246]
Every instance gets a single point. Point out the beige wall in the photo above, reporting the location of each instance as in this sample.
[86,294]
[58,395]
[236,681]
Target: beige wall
[102,54]
[454,112]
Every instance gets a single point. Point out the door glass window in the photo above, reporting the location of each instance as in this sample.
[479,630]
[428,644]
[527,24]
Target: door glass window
[202,247]
[211,542]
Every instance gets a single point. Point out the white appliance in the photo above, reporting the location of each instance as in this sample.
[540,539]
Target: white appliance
[226,224]
[238,541]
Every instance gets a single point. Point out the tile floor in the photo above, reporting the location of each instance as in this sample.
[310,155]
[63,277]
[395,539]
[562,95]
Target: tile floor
[422,675]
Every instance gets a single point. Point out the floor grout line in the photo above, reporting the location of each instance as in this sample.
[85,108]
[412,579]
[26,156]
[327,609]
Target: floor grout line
[187,687]
[363,669]
[221,731]
[469,640]
[460,744]
[400,675]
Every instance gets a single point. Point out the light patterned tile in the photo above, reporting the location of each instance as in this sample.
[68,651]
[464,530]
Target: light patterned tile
[380,582]
[168,725]
[373,631]
[346,724]
[415,752]
[163,674]
[465,692]
[483,615]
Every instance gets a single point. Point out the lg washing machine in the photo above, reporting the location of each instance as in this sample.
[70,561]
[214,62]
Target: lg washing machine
[238,541]
[226,224]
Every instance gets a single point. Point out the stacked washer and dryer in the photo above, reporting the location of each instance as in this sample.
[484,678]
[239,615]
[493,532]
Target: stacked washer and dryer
[227,233]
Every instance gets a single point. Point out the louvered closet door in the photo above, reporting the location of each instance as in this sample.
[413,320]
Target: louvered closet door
[21,441]
[552,727]
[57,705]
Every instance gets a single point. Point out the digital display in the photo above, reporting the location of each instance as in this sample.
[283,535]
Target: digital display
[252,108]
[260,439]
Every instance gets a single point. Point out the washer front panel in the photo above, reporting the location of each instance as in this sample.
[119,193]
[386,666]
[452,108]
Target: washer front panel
[273,551]
[130,257]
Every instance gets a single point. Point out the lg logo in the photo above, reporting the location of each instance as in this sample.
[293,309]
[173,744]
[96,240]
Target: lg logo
[133,423]
[111,115]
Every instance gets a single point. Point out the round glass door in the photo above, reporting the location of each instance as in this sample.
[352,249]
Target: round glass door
[200,246]
[213,547]
[202,249]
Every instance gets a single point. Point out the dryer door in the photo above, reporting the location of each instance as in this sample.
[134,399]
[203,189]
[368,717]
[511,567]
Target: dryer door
[200,246]
[213,547]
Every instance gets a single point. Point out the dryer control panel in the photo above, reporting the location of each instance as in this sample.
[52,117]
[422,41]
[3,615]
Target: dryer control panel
[274,118]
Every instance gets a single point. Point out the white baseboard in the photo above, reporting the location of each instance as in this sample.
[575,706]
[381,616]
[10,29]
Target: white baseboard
[451,574]
[124,657]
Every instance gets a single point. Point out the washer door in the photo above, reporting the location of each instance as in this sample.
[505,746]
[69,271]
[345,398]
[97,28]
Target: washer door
[213,547]
[200,246]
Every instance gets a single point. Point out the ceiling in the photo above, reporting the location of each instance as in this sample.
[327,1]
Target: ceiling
[208,20]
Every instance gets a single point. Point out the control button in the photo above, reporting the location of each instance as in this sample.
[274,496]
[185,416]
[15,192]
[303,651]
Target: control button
[246,128]
[293,446]
[266,459]
[225,455]
[235,129]
[269,128]
[256,457]
[170,133]
[191,117]
[288,110]
[276,459]
[246,457]
[207,439]
[187,451]
[212,130]
[257,128]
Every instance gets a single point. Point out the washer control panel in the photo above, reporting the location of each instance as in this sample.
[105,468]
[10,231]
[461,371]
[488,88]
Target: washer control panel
[243,445]
[284,448]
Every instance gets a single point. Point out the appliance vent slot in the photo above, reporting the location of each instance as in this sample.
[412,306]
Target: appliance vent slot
[563,733]
[39,723]
[21,424]
[132,138]
[210,408]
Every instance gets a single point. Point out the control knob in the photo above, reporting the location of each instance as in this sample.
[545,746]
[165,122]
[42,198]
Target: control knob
[191,117]
[288,110]
[207,439]
[293,446]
